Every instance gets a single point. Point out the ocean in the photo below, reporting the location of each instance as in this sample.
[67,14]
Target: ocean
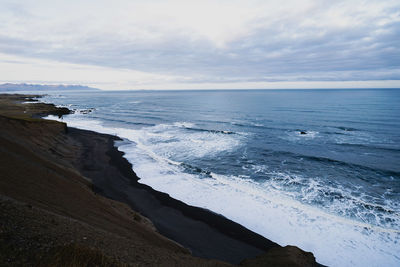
[319,169]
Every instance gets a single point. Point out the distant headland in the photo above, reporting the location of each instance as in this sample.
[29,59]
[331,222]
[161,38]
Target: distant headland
[43,87]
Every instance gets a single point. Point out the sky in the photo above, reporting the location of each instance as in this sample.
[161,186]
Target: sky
[184,44]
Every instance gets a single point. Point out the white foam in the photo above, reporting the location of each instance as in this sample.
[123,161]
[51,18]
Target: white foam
[334,240]
[347,201]
[261,207]
[174,141]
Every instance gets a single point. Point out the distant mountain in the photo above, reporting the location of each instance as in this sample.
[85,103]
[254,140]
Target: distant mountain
[43,87]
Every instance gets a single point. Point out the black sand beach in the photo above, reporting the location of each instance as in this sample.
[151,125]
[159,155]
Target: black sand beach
[205,233]
[65,173]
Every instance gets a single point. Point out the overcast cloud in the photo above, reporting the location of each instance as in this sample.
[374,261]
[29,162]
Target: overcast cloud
[200,44]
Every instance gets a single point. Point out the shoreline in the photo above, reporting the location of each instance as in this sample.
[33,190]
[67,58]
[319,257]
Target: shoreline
[205,233]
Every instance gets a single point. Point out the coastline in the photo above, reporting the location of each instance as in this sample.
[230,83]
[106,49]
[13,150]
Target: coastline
[205,233]
[202,232]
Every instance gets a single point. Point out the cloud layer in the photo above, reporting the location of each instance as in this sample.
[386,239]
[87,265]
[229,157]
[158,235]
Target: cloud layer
[208,42]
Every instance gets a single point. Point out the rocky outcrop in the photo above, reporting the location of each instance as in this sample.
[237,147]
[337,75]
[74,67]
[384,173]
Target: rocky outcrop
[289,256]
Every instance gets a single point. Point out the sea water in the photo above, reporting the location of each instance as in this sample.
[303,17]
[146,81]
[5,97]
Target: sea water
[319,169]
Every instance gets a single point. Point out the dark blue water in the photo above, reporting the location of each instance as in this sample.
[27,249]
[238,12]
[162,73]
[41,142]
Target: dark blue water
[334,190]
